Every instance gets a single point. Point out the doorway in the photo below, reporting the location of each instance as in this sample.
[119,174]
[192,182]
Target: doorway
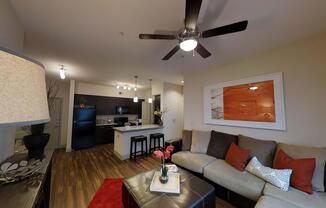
[157,107]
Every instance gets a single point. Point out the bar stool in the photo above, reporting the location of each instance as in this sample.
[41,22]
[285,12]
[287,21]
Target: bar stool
[156,138]
[133,146]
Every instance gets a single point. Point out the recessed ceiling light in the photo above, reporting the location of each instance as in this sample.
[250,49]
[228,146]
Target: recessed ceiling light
[129,88]
[135,89]
[124,87]
[182,81]
[118,87]
[253,88]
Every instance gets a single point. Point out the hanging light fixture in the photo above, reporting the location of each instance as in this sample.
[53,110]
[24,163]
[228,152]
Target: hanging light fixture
[150,99]
[136,98]
[62,72]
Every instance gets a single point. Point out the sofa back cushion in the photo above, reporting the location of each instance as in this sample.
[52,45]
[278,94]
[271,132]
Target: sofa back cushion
[199,141]
[220,144]
[296,152]
[263,150]
[186,140]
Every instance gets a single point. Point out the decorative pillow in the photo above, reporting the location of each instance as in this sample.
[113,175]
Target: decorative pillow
[186,140]
[262,149]
[319,153]
[199,141]
[279,178]
[302,170]
[220,144]
[237,157]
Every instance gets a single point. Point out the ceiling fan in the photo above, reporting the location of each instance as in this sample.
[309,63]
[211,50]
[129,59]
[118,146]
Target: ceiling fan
[189,37]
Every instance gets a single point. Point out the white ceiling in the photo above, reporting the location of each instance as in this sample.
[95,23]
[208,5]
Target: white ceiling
[86,35]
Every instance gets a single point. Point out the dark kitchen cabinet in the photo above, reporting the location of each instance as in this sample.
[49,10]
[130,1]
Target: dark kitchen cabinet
[107,105]
[104,135]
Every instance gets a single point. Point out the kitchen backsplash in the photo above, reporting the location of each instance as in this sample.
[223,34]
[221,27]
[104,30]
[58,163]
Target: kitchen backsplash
[100,119]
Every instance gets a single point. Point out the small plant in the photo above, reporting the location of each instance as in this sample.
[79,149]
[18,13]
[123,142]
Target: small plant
[163,155]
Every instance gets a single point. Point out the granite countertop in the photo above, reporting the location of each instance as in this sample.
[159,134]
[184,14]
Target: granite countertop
[106,124]
[137,128]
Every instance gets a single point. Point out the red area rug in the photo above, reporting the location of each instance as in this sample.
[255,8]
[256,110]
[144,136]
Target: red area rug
[109,195]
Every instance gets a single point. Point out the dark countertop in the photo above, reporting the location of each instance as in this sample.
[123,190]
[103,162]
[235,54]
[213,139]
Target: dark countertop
[22,194]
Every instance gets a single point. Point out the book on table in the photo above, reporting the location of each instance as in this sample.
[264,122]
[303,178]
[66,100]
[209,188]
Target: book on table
[172,186]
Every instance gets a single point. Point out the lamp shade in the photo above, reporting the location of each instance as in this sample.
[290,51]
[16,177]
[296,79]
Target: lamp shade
[23,99]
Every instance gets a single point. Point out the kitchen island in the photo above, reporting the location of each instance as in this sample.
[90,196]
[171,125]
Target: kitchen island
[123,134]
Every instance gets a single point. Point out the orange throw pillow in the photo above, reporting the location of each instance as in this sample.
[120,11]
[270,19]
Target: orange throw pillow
[302,170]
[237,157]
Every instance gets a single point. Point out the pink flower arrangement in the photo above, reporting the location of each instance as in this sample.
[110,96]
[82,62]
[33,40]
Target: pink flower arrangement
[164,153]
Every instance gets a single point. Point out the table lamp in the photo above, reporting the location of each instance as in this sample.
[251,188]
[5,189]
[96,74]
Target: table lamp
[23,99]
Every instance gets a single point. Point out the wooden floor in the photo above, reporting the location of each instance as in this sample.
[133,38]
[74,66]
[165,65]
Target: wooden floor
[76,176]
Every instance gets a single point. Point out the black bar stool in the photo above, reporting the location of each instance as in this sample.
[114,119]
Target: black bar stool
[156,138]
[133,146]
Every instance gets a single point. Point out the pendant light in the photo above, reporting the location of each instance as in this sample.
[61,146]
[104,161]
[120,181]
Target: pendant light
[62,72]
[136,98]
[150,99]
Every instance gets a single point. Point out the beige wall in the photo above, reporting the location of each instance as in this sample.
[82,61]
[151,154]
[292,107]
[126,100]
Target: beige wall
[11,30]
[104,90]
[304,67]
[12,37]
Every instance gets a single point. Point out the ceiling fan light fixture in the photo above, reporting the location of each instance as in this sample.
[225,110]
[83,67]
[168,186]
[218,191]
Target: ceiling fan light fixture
[62,72]
[188,44]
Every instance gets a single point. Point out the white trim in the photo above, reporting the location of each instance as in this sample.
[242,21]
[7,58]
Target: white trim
[279,124]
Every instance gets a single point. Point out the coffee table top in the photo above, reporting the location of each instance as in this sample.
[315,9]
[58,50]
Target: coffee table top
[194,192]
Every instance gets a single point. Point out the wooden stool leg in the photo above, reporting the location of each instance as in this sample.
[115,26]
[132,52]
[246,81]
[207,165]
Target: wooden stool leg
[142,149]
[146,147]
[130,155]
[135,151]
[163,141]
[150,143]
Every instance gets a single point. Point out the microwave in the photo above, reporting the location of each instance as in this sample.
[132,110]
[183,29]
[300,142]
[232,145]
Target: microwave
[122,110]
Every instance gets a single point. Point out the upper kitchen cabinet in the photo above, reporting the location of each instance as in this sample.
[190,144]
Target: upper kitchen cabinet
[108,105]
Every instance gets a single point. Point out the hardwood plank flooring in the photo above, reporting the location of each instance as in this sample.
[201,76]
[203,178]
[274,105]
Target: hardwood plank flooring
[76,176]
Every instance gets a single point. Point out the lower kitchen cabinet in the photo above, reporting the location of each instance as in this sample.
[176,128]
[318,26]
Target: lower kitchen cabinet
[104,134]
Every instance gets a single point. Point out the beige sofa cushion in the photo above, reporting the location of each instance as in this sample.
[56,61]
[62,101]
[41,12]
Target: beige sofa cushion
[242,183]
[296,197]
[296,152]
[200,141]
[192,161]
[271,202]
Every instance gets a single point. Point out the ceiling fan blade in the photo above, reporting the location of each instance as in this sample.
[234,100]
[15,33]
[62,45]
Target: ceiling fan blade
[202,51]
[171,53]
[232,28]
[192,12]
[157,37]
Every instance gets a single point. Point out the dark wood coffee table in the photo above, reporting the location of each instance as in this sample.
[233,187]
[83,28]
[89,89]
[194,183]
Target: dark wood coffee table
[194,192]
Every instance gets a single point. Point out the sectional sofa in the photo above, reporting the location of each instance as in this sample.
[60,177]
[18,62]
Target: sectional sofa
[203,153]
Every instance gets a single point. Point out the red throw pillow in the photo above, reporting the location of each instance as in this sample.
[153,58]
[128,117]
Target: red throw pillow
[237,157]
[302,170]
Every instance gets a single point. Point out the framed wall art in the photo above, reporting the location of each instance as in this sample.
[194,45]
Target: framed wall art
[255,102]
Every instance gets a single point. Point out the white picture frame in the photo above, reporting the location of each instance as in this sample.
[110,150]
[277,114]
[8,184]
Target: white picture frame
[279,124]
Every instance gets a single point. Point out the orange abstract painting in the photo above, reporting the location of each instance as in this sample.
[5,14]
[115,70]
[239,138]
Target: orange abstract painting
[250,102]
